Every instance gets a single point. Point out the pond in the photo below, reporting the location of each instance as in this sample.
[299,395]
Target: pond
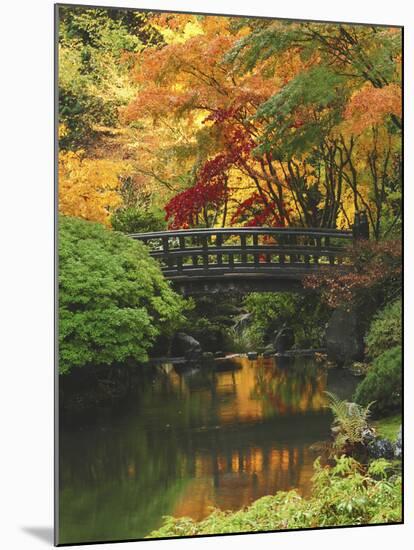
[192,438]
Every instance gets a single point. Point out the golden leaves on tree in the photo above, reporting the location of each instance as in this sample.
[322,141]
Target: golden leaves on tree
[88,188]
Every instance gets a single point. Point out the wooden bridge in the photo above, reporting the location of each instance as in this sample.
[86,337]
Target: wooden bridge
[247,259]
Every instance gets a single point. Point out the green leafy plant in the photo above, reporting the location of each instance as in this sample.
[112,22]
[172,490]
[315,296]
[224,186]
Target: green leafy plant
[137,220]
[350,421]
[346,494]
[113,299]
[385,331]
[245,339]
[383,382]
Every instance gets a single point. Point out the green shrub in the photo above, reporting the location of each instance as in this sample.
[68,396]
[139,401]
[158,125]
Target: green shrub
[113,299]
[345,494]
[383,383]
[305,314]
[386,330]
[137,220]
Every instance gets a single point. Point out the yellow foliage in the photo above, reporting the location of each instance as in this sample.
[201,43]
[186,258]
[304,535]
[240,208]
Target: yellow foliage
[88,188]
[180,30]
[62,130]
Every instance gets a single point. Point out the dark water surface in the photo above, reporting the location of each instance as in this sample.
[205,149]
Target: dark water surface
[221,436]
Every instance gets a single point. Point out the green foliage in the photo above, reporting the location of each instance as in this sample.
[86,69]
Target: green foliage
[210,320]
[306,315]
[345,494]
[389,427]
[106,29]
[350,420]
[79,111]
[370,54]
[259,45]
[319,87]
[113,299]
[386,330]
[248,338]
[93,74]
[383,382]
[137,220]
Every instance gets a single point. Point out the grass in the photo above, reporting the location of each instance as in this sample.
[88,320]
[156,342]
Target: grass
[389,426]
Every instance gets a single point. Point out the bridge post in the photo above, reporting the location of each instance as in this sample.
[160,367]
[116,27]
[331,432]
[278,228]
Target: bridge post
[194,257]
[219,244]
[165,247]
[293,241]
[180,258]
[360,229]
[255,245]
[243,245]
[205,252]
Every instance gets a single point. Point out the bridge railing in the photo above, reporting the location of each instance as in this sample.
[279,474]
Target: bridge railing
[189,252]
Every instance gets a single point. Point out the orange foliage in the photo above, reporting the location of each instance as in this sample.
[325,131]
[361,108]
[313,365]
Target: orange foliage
[368,106]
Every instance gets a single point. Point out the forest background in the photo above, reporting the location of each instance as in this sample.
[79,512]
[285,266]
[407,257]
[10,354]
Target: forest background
[184,120]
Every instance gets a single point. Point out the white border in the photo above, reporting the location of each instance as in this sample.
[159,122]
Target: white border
[26,289]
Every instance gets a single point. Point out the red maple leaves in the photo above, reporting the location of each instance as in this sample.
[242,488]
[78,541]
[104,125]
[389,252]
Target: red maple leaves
[257,211]
[211,190]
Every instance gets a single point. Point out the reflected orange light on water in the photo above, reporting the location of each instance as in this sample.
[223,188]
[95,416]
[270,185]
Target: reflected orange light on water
[260,389]
[250,393]
[231,482]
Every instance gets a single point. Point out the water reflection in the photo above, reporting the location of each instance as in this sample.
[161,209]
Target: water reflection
[193,439]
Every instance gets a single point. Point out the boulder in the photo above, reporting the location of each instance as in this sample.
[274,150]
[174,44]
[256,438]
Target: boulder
[284,340]
[219,354]
[381,448]
[252,355]
[344,338]
[184,345]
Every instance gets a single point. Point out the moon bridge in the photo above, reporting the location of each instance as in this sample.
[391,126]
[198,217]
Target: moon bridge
[247,259]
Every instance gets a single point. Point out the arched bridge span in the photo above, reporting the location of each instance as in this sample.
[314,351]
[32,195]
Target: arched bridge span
[247,259]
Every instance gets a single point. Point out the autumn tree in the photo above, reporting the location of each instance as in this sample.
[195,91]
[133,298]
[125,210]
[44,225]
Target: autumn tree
[187,80]
[342,115]
[309,154]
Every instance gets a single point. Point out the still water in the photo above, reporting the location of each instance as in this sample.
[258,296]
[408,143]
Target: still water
[186,441]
